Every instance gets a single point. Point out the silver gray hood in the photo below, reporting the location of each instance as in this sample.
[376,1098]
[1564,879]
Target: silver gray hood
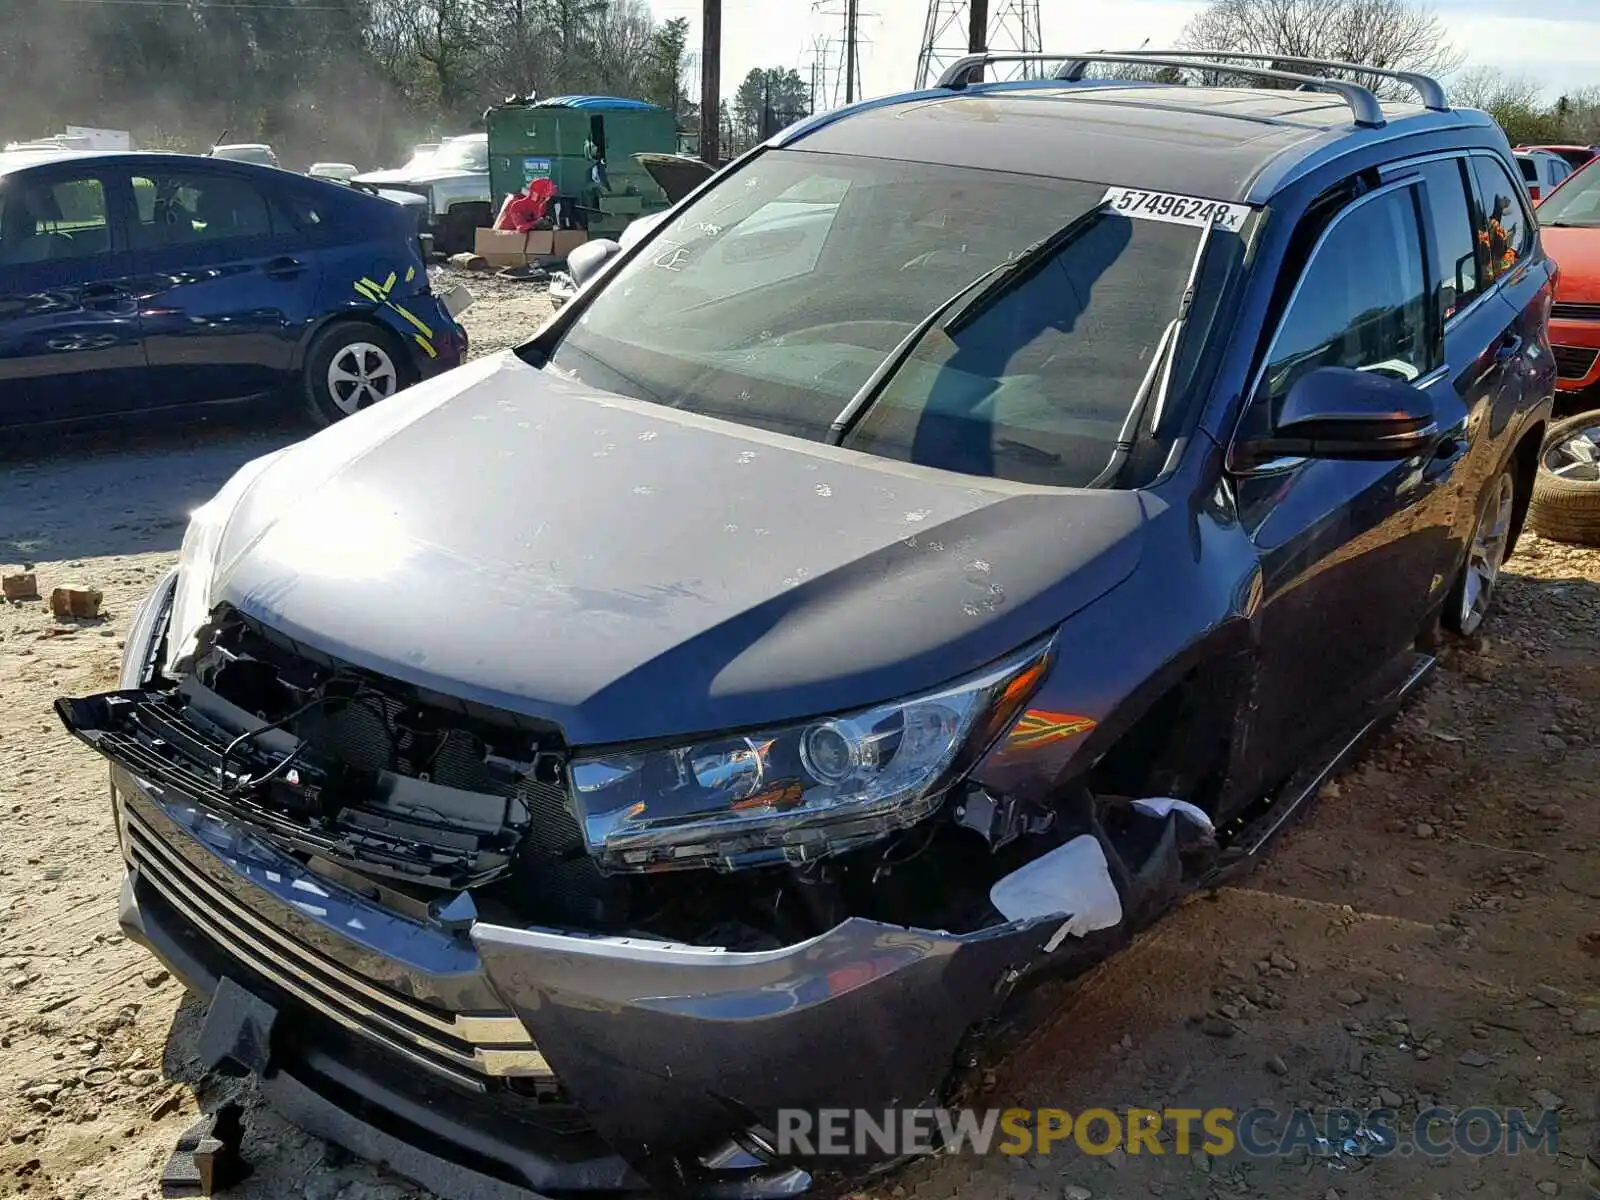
[629,571]
[419,178]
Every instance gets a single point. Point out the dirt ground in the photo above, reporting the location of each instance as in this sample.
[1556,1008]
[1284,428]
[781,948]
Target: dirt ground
[1429,934]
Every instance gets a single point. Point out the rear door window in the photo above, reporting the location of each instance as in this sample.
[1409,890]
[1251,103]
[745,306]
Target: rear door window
[1505,230]
[181,208]
[54,220]
[1455,257]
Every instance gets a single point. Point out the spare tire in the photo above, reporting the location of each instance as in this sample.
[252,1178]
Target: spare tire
[1565,506]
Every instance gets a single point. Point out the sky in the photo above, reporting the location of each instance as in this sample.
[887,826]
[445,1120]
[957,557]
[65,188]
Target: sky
[1556,42]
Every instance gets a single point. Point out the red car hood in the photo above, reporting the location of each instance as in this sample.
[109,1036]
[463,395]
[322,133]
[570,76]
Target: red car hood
[1577,251]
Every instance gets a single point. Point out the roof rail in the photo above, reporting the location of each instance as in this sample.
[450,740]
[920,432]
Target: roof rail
[1363,104]
[1429,90]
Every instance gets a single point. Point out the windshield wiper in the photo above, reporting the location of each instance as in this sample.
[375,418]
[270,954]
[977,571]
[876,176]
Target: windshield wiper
[1161,363]
[984,291]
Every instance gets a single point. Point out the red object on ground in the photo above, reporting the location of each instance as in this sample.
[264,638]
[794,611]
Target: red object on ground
[522,213]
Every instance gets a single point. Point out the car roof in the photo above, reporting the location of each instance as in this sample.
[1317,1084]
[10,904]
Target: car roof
[1213,142]
[20,160]
[17,160]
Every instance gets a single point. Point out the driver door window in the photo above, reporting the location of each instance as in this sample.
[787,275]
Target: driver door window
[1362,302]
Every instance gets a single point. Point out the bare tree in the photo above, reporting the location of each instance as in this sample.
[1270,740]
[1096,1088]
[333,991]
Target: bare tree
[1490,88]
[1516,103]
[1397,35]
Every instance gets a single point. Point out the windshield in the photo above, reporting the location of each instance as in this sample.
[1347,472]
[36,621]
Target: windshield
[468,154]
[1576,202]
[260,155]
[773,299]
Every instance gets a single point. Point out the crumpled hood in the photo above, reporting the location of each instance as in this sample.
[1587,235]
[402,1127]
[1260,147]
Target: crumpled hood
[505,535]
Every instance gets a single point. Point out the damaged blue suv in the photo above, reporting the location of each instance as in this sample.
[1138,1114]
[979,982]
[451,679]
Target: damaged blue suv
[956,531]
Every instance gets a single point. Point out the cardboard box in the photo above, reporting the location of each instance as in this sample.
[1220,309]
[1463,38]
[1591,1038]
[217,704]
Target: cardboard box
[507,248]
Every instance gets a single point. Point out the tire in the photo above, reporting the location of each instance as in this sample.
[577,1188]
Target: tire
[1566,490]
[348,366]
[1472,594]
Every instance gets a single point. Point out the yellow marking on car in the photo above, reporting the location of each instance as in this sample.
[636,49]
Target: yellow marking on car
[409,317]
[378,293]
[411,273]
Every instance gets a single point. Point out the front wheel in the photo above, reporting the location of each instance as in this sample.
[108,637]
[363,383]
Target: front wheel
[1473,594]
[348,367]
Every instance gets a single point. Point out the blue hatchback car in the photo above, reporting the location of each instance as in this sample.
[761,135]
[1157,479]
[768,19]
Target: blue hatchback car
[131,283]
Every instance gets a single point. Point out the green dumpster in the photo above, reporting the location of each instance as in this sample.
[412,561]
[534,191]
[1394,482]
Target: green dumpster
[564,139]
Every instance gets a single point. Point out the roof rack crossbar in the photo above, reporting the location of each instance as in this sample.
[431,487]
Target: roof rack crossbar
[1429,90]
[1363,104]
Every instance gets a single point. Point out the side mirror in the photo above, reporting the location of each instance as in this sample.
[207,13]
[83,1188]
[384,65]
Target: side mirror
[637,229]
[1334,412]
[587,261]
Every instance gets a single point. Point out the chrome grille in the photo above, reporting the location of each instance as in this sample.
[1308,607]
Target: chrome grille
[466,1048]
[1574,362]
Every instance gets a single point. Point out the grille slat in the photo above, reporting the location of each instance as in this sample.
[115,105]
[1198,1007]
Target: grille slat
[1574,362]
[1566,310]
[467,1048]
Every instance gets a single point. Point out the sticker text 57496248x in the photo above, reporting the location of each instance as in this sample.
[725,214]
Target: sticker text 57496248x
[1180,210]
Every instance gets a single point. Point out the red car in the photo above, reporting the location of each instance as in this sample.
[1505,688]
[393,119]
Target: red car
[1569,220]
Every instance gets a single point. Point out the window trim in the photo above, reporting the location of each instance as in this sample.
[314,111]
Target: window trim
[1252,392]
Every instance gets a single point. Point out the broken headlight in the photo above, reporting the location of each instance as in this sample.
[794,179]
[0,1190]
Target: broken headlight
[796,792]
[197,561]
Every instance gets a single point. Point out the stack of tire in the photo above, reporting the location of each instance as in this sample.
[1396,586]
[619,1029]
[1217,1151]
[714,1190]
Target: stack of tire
[1565,506]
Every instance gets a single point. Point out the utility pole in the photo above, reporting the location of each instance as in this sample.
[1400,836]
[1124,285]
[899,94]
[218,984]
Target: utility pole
[977,32]
[852,19]
[711,80]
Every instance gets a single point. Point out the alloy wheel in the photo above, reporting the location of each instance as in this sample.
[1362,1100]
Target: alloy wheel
[361,374]
[1576,456]
[1487,552]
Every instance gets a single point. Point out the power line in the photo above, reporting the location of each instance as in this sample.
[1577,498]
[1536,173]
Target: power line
[955,28]
[203,4]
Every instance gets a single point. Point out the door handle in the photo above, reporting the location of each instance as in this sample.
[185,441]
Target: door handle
[104,297]
[1446,453]
[1510,346]
[283,268]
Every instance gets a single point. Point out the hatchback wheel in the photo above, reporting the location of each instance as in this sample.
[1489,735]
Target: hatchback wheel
[350,367]
[1473,593]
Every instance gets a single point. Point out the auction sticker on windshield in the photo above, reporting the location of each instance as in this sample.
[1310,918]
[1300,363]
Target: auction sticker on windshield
[1180,210]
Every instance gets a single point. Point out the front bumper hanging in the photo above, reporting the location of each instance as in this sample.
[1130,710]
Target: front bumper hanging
[551,1061]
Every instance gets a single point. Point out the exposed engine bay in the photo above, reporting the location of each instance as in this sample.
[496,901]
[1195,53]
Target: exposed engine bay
[412,797]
